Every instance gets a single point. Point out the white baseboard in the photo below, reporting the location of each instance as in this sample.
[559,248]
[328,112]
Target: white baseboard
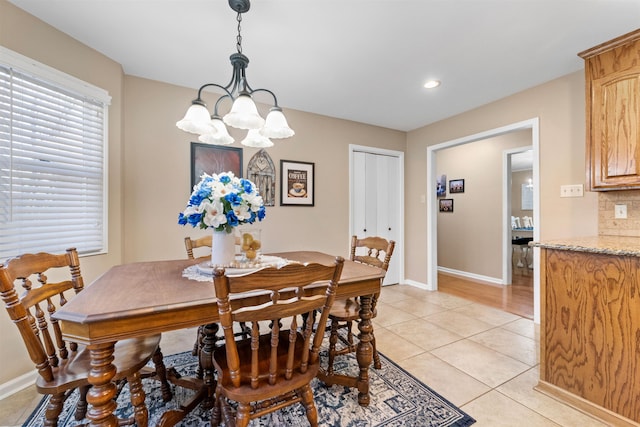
[417,284]
[468,275]
[19,383]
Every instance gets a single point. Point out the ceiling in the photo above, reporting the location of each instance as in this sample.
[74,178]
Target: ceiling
[361,60]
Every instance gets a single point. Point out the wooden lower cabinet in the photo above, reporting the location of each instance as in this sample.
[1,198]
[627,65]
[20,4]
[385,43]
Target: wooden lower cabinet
[590,332]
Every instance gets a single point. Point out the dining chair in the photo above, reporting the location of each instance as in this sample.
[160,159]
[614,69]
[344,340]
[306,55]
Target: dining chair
[191,244]
[374,251]
[272,369]
[64,366]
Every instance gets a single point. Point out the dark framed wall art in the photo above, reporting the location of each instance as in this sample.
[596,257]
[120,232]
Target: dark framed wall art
[297,183]
[456,186]
[445,205]
[210,159]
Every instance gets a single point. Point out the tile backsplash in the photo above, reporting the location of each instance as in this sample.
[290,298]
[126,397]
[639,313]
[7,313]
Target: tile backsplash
[610,226]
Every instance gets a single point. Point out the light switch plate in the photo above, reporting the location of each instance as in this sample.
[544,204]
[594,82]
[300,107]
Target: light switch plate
[620,211]
[574,190]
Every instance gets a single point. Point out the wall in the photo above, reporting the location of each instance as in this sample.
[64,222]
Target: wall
[475,225]
[559,105]
[31,37]
[157,171]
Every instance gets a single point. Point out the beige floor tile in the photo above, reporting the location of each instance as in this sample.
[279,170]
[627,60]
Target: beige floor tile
[392,293]
[521,389]
[459,323]
[420,309]
[424,334]
[451,383]
[445,300]
[487,314]
[482,363]
[389,315]
[497,410]
[395,347]
[524,327]
[506,342]
[178,341]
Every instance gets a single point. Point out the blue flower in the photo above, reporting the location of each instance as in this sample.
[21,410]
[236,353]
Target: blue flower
[232,219]
[234,199]
[247,185]
[194,219]
[224,178]
[261,213]
[182,220]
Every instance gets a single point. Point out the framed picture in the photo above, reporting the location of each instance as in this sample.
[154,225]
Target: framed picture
[297,182]
[441,186]
[446,205]
[210,159]
[456,186]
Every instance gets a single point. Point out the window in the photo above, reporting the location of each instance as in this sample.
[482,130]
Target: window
[53,142]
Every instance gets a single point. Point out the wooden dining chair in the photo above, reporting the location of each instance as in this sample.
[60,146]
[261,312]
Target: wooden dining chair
[64,366]
[191,244]
[274,369]
[374,251]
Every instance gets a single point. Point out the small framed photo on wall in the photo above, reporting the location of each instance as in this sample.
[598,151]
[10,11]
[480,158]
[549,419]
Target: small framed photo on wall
[456,186]
[445,205]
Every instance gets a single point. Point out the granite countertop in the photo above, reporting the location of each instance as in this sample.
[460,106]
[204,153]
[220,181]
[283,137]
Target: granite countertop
[609,245]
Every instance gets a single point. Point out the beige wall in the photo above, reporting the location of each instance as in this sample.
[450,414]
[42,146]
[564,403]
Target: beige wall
[559,105]
[157,171]
[470,237]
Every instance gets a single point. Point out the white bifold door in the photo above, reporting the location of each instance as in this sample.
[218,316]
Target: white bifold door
[376,201]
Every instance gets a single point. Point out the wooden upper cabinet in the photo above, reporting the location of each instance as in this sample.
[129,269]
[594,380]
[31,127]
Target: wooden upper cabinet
[612,72]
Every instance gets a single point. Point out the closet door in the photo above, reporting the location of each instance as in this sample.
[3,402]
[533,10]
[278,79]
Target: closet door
[376,200]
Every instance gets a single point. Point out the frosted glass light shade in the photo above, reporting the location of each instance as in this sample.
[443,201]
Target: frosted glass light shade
[276,125]
[219,136]
[244,114]
[256,140]
[196,120]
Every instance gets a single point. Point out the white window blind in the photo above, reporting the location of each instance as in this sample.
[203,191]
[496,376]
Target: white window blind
[52,163]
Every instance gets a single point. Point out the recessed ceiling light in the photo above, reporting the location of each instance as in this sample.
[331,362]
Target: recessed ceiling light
[431,84]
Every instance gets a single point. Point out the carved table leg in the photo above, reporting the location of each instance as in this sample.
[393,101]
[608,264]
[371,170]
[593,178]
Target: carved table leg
[206,361]
[364,352]
[101,395]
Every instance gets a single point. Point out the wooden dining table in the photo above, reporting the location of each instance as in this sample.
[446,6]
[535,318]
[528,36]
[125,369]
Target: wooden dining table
[144,298]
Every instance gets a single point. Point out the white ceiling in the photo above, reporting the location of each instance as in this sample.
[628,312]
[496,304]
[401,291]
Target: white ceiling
[362,60]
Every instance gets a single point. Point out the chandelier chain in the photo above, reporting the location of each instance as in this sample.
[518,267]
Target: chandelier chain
[239,37]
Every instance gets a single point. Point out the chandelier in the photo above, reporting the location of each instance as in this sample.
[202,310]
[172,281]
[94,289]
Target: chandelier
[244,113]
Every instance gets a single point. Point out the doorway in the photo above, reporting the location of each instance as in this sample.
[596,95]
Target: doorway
[432,205]
[376,208]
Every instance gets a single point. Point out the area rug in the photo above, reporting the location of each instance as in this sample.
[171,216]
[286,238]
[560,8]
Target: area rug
[397,399]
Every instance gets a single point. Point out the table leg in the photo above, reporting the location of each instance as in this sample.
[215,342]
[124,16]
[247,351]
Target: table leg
[103,391]
[364,351]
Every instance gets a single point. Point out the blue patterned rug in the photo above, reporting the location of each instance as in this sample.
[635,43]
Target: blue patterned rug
[397,399]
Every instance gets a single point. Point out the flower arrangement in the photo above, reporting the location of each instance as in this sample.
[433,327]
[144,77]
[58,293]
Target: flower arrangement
[223,201]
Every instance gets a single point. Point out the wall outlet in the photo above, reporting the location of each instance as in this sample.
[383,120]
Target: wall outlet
[620,211]
[575,190]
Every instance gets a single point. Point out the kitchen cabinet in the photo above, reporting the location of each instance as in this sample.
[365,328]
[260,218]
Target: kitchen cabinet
[590,327]
[612,78]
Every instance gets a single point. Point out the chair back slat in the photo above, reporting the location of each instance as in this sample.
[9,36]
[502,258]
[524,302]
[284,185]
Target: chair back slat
[377,251]
[191,244]
[31,307]
[292,294]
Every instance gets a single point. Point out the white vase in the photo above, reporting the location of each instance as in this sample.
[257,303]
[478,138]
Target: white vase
[223,249]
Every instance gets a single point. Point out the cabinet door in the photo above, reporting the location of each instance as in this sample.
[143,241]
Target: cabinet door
[615,131]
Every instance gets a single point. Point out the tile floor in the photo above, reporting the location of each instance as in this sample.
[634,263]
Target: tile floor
[482,359]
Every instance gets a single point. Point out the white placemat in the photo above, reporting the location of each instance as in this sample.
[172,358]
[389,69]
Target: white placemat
[203,272]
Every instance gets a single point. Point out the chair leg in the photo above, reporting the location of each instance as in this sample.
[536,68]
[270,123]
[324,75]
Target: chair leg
[376,358]
[81,406]
[333,340]
[54,408]
[216,411]
[141,413]
[243,415]
[161,374]
[306,394]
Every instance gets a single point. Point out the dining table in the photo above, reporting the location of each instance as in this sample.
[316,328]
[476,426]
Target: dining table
[144,298]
